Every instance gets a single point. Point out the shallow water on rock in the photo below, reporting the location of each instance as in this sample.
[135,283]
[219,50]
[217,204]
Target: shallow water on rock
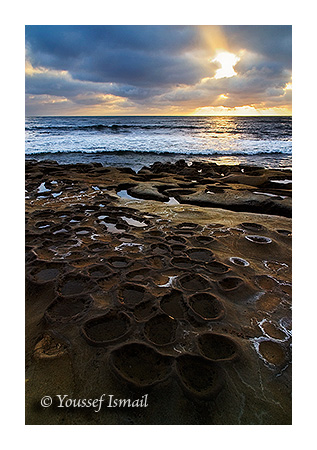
[172,201]
[133,222]
[124,194]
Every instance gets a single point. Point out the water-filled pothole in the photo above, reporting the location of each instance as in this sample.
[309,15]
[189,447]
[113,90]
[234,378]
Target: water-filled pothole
[217,267]
[172,201]
[272,352]
[140,365]
[66,309]
[173,304]
[258,239]
[287,233]
[206,306]
[99,271]
[131,295]
[217,347]
[182,262]
[230,283]
[73,284]
[252,226]
[108,328]
[200,254]
[161,330]
[139,275]
[133,222]
[193,282]
[119,262]
[124,194]
[239,261]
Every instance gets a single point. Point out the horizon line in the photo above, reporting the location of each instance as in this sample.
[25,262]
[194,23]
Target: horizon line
[160,115]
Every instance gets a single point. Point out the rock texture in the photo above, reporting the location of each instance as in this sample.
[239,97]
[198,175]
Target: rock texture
[174,281]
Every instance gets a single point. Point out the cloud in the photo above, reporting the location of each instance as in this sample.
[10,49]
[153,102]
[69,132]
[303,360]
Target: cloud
[135,55]
[273,42]
[153,68]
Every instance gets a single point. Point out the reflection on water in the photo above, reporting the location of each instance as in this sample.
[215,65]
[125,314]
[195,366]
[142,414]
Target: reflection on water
[172,201]
[226,160]
[124,194]
[134,222]
[140,141]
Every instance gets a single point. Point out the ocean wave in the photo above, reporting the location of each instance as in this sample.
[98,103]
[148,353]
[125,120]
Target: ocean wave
[126,128]
[114,126]
[96,127]
[169,152]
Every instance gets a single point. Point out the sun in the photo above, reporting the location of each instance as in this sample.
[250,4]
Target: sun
[227,61]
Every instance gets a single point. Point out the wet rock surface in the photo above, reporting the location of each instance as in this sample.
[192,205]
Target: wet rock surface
[186,300]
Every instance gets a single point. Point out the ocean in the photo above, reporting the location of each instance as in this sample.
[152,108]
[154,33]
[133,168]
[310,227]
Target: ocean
[137,141]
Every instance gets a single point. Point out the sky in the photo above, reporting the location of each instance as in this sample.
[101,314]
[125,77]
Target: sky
[158,70]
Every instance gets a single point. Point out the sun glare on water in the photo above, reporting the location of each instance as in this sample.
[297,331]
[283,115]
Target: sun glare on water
[227,61]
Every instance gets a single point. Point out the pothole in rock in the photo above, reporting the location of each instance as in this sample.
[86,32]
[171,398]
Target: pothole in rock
[73,284]
[98,247]
[133,222]
[272,330]
[107,328]
[43,225]
[160,249]
[99,271]
[155,233]
[258,239]
[230,283]
[127,238]
[239,261]
[206,306]
[187,226]
[131,295]
[200,254]
[172,201]
[285,233]
[66,309]
[272,352]
[139,275]
[45,272]
[140,365]
[252,226]
[82,231]
[217,267]
[144,311]
[161,330]
[175,240]
[204,240]
[119,262]
[178,249]
[217,347]
[200,379]
[188,233]
[266,282]
[62,231]
[173,304]
[124,194]
[194,282]
[182,262]
[113,227]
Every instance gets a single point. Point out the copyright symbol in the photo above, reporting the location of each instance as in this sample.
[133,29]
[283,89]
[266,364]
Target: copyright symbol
[46,401]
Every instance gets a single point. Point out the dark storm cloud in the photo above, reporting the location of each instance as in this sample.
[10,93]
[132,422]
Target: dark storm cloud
[62,85]
[134,55]
[272,41]
[157,65]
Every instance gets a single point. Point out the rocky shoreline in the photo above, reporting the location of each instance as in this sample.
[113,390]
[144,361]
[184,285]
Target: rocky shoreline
[173,282]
